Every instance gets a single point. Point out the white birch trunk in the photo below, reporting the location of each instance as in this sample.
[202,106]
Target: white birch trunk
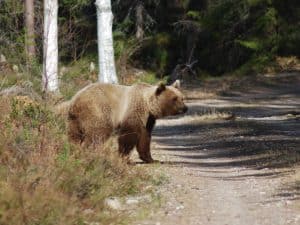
[107,69]
[50,47]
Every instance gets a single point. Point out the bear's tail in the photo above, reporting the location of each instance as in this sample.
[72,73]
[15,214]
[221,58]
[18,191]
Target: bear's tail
[62,109]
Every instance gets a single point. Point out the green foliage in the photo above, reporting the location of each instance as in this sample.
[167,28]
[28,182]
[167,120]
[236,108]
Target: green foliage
[254,65]
[76,75]
[31,114]
[75,19]
[75,4]
[149,78]
[229,32]
[122,43]
[185,3]
[12,30]
[196,15]
[28,79]
[154,54]
[239,32]
[253,45]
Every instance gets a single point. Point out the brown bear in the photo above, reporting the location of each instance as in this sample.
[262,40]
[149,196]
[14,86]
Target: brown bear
[100,110]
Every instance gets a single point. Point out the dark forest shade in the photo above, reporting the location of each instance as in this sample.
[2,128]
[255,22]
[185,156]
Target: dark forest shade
[223,35]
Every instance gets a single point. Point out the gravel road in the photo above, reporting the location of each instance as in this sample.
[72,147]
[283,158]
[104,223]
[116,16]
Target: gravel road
[239,169]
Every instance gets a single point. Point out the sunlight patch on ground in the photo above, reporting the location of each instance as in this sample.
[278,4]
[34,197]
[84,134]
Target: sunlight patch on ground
[196,94]
[189,119]
[217,103]
[274,118]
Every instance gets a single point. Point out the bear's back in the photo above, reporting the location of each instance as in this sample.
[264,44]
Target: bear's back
[114,104]
[109,101]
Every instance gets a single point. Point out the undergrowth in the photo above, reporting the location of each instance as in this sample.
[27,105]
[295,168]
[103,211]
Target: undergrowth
[45,179]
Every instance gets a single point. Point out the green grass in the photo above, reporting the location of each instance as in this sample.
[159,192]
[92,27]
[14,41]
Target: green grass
[76,76]
[150,78]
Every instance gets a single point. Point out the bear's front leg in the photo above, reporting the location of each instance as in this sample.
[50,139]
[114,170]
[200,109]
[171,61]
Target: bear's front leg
[143,147]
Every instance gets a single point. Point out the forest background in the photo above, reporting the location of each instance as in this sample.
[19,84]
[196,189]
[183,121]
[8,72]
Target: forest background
[224,36]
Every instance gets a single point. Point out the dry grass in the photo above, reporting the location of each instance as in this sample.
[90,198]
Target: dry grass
[44,179]
[288,63]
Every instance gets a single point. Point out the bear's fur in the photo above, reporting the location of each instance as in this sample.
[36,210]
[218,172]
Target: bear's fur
[101,110]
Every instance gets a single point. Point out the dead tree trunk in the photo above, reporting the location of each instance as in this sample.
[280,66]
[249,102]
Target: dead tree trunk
[29,29]
[139,20]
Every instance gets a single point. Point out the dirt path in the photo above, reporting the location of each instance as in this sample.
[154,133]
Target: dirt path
[240,171]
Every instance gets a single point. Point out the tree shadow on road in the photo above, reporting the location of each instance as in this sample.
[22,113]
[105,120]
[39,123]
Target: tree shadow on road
[256,144]
[264,136]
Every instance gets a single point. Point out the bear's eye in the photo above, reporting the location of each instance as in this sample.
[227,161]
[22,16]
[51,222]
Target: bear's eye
[175,99]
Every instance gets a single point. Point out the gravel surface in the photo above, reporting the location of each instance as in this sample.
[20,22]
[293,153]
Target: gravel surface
[241,170]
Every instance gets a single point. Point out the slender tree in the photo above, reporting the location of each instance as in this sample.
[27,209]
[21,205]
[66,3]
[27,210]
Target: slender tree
[107,70]
[139,20]
[50,47]
[29,28]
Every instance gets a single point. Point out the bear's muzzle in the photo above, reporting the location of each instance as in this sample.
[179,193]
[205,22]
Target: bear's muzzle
[185,109]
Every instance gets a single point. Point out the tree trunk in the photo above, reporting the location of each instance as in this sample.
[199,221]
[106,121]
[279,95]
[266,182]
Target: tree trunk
[139,21]
[50,47]
[29,28]
[107,70]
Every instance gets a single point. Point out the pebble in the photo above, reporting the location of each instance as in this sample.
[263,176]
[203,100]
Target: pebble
[179,207]
[132,201]
[2,58]
[88,211]
[15,68]
[149,187]
[92,67]
[288,202]
[113,203]
[63,70]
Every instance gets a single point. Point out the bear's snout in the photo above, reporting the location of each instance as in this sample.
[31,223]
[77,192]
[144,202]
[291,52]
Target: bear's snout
[185,109]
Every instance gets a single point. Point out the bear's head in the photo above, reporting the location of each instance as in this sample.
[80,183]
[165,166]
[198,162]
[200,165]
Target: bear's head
[167,101]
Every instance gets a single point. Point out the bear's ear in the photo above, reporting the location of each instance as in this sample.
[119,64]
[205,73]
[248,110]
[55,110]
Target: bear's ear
[176,84]
[161,87]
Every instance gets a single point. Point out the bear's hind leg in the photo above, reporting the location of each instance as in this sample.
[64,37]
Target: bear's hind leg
[74,131]
[126,143]
[97,137]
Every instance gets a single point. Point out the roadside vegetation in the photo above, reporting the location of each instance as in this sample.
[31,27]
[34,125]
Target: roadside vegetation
[45,179]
